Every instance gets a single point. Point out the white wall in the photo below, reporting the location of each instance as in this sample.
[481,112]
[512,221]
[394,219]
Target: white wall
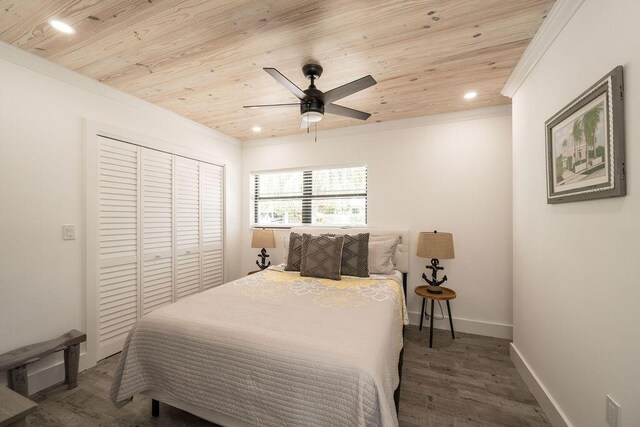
[576,265]
[42,293]
[450,173]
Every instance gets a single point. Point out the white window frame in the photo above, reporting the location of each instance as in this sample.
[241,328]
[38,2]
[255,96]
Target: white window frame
[305,206]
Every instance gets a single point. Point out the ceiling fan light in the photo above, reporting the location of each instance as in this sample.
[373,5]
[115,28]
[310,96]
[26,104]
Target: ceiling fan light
[312,116]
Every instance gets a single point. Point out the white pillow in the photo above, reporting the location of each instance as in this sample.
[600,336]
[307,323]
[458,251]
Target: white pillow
[381,256]
[384,237]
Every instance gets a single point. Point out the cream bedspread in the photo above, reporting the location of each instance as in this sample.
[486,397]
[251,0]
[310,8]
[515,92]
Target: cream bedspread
[275,349]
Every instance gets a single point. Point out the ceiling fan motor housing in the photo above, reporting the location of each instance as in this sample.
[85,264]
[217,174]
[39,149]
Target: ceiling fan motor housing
[314,101]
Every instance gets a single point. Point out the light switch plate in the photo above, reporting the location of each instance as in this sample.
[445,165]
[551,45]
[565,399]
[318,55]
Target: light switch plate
[69,232]
[613,412]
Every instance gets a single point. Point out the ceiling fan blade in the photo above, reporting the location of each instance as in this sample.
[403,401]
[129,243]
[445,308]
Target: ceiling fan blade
[348,89]
[272,105]
[285,82]
[347,112]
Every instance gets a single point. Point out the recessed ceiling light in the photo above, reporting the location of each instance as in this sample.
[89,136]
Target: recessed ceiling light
[256,129]
[63,27]
[470,95]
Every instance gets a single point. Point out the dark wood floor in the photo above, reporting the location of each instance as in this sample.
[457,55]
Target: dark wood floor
[467,382]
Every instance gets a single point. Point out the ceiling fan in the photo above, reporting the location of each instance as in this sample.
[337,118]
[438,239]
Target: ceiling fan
[313,102]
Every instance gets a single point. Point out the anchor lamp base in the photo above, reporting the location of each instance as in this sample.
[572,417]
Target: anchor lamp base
[434,289]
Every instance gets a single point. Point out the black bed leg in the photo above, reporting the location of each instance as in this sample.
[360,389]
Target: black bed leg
[155,408]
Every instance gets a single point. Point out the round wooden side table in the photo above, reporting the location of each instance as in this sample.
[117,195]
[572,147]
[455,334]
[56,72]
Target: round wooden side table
[446,295]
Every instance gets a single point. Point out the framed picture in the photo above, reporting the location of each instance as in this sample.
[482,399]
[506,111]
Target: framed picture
[585,144]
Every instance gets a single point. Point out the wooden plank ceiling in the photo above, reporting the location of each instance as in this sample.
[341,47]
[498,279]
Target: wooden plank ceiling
[203,59]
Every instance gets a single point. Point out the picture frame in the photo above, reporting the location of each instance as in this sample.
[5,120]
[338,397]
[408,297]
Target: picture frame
[585,144]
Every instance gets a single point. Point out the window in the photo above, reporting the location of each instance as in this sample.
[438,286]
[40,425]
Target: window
[329,196]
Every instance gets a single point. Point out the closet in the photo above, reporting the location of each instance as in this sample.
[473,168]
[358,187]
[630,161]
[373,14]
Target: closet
[159,236]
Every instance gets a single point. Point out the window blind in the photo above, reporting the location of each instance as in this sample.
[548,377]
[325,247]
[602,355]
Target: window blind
[327,196]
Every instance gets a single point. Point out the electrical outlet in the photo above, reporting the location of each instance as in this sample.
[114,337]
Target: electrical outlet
[613,412]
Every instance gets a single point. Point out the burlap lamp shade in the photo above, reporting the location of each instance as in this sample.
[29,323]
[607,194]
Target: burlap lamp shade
[263,238]
[435,245]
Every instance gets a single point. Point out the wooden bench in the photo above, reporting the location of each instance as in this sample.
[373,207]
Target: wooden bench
[15,362]
[14,408]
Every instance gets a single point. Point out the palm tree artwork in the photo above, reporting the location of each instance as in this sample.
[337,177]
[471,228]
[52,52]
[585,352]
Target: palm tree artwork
[590,122]
[583,133]
[585,144]
[576,134]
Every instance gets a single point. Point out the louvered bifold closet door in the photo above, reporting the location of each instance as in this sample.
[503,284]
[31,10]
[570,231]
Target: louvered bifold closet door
[187,220]
[157,229]
[211,185]
[117,244]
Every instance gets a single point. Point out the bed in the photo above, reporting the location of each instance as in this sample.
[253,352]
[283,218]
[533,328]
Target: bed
[275,348]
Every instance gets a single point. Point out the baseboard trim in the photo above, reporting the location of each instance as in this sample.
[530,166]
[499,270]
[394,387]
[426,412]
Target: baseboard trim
[550,407]
[48,372]
[477,327]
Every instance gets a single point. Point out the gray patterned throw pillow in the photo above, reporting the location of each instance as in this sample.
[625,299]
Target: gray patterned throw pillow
[321,256]
[295,252]
[355,255]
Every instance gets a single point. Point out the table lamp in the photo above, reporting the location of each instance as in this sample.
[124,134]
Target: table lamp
[436,246]
[263,238]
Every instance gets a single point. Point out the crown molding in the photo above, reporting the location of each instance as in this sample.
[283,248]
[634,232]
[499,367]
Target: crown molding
[557,18]
[47,68]
[435,119]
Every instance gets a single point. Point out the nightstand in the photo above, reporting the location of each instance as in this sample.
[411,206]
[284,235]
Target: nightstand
[446,295]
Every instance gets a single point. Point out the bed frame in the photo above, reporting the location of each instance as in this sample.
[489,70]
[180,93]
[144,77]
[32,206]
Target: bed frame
[396,393]
[401,259]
